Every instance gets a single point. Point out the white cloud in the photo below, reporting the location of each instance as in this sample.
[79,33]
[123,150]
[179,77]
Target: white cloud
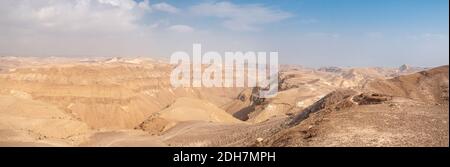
[165,7]
[81,27]
[144,5]
[99,27]
[75,15]
[240,17]
[116,3]
[181,28]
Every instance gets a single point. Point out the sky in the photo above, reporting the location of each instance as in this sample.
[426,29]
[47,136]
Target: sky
[312,33]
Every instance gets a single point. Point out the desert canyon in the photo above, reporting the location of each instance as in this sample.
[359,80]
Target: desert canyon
[57,101]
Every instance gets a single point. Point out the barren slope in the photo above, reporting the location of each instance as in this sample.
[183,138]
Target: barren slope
[410,110]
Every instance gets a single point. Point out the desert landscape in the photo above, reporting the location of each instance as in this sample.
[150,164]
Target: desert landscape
[156,73]
[109,102]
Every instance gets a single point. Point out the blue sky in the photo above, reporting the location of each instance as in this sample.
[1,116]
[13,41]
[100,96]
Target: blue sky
[307,32]
[356,15]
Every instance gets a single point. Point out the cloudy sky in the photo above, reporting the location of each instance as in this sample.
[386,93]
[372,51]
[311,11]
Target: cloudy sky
[307,32]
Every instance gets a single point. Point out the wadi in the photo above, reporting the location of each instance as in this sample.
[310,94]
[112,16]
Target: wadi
[260,69]
[129,101]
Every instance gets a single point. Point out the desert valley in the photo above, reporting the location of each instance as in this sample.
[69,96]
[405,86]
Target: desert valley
[58,101]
